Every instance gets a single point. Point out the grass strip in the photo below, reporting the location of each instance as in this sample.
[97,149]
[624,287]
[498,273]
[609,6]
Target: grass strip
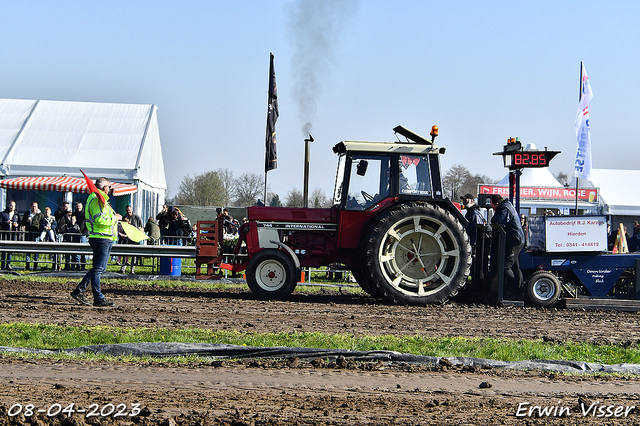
[41,336]
[172,284]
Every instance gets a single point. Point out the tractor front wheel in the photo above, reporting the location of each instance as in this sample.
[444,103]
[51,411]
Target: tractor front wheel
[271,274]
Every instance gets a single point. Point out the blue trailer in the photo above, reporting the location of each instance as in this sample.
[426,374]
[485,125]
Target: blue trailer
[581,271]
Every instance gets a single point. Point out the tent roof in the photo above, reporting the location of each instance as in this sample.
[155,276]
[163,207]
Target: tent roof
[618,189]
[44,138]
[541,177]
[62,184]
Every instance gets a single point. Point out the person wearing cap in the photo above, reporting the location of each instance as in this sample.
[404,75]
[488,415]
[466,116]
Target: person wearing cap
[474,218]
[507,216]
[102,224]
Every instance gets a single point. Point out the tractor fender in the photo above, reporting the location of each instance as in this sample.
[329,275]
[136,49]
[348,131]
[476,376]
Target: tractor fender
[445,204]
[291,253]
[451,208]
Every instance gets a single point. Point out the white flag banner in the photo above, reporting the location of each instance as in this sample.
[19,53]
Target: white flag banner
[583,135]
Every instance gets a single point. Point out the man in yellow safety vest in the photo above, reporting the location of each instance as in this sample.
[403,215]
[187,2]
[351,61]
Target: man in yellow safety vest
[102,224]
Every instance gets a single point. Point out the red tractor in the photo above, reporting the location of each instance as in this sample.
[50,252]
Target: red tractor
[389,224]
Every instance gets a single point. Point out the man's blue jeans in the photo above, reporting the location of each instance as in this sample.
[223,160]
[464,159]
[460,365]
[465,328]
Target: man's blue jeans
[101,250]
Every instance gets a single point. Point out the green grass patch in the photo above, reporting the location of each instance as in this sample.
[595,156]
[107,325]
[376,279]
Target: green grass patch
[41,336]
[204,284]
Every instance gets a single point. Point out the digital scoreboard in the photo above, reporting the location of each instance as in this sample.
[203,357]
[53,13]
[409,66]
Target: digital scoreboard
[515,157]
[525,159]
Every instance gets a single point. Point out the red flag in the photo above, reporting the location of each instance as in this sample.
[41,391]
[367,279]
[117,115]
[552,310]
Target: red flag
[93,188]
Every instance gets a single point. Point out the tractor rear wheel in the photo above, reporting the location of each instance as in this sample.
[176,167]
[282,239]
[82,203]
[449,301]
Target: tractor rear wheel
[417,254]
[365,283]
[271,274]
[543,289]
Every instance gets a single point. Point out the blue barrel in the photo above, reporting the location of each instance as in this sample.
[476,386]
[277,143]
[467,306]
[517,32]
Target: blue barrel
[170,266]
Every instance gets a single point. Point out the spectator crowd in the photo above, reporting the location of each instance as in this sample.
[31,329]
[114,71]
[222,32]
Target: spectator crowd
[169,227]
[63,225]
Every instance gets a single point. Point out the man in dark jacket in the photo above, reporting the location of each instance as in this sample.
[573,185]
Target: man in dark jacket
[8,226]
[78,213]
[163,219]
[634,241]
[71,234]
[179,227]
[134,220]
[62,211]
[63,224]
[506,215]
[31,223]
[474,218]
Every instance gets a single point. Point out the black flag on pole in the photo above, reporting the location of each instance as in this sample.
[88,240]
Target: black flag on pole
[271,157]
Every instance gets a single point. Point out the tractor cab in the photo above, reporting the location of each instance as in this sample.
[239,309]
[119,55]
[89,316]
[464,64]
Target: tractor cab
[374,176]
[370,172]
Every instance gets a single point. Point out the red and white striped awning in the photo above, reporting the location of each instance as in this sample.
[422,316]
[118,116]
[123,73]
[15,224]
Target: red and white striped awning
[60,183]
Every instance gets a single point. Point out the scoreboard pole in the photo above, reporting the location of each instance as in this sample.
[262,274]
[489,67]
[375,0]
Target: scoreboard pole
[518,172]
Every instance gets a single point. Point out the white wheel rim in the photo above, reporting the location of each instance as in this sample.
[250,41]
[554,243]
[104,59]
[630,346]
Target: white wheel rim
[419,255]
[544,289]
[270,275]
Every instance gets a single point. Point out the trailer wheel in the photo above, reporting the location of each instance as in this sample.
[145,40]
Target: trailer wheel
[271,274]
[417,254]
[543,289]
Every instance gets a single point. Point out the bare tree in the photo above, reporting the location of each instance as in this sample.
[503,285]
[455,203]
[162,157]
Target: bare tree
[319,199]
[205,189]
[228,182]
[275,201]
[248,187]
[458,181]
[294,198]
[562,178]
[471,184]
[454,180]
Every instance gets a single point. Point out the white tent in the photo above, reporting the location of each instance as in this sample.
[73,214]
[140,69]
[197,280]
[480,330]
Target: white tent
[55,138]
[534,177]
[619,189]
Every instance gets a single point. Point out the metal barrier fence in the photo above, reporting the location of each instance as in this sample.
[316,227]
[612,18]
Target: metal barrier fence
[22,247]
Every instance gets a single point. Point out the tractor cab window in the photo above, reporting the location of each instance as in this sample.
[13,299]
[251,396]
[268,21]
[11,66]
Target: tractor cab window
[368,181]
[414,175]
[337,192]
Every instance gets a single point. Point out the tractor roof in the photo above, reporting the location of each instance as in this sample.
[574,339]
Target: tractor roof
[387,148]
[415,144]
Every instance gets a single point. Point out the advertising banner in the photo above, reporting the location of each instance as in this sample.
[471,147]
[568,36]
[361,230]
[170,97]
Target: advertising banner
[575,233]
[542,193]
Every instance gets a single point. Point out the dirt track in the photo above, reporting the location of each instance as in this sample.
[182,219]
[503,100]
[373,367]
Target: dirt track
[280,393]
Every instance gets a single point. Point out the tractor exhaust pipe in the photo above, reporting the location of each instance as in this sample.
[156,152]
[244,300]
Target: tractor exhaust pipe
[305,194]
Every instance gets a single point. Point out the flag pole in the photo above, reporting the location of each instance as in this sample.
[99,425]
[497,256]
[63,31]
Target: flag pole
[579,100]
[271,157]
[265,189]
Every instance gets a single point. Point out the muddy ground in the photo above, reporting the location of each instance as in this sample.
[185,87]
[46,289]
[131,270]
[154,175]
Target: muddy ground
[292,392]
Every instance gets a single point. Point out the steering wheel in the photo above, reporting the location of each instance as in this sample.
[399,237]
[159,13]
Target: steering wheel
[367,197]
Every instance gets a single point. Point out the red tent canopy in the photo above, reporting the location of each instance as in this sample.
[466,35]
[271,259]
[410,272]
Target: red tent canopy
[62,184]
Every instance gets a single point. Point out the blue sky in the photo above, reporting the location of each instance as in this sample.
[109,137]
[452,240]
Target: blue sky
[481,71]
